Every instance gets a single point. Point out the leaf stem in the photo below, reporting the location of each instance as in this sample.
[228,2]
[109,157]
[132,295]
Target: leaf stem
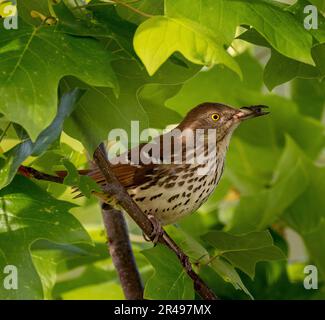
[5,131]
[118,2]
[126,5]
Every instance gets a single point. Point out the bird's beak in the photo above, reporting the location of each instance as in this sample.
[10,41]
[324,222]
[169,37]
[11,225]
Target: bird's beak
[251,112]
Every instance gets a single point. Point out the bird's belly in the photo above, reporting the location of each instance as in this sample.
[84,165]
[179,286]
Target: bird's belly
[177,198]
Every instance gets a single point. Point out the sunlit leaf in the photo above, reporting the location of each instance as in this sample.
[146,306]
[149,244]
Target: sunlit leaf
[23,150]
[170,280]
[28,214]
[35,59]
[244,251]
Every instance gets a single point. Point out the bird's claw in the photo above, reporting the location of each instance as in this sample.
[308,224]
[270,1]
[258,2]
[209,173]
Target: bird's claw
[156,232]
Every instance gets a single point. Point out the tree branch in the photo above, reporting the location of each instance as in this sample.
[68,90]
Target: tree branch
[126,202]
[120,249]
[121,252]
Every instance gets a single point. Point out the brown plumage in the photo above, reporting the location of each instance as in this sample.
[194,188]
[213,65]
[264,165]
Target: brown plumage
[169,191]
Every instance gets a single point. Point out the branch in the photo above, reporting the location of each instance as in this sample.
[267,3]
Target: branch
[120,249]
[126,202]
[118,2]
[124,4]
[121,252]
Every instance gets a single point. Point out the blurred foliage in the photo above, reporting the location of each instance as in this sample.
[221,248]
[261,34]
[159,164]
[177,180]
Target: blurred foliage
[76,69]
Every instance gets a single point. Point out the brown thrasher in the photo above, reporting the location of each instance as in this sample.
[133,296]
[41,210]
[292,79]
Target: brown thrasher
[170,181]
[170,190]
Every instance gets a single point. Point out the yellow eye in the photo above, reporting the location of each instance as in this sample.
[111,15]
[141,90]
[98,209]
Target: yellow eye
[215,117]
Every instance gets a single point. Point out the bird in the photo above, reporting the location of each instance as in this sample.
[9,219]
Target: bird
[167,191]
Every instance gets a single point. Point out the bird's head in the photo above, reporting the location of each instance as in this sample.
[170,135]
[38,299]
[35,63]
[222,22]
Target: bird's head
[221,117]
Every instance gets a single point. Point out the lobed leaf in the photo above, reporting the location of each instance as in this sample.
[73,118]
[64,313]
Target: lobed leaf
[34,59]
[170,280]
[244,251]
[29,214]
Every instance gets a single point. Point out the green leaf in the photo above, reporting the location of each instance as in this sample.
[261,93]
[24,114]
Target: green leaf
[110,290]
[310,226]
[280,69]
[229,274]
[311,200]
[297,9]
[219,84]
[92,283]
[26,7]
[34,59]
[28,214]
[99,20]
[286,35]
[307,93]
[248,175]
[23,150]
[260,209]
[170,281]
[222,85]
[47,257]
[153,7]
[191,247]
[244,251]
[319,3]
[212,15]
[85,184]
[100,110]
[279,27]
[314,241]
[159,37]
[152,98]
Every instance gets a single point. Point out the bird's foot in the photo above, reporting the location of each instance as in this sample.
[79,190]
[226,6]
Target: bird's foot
[156,232]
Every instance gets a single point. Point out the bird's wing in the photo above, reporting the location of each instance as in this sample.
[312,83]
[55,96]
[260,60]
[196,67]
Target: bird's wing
[132,175]
[128,175]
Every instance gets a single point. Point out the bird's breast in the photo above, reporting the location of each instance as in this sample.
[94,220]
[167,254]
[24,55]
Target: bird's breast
[181,190]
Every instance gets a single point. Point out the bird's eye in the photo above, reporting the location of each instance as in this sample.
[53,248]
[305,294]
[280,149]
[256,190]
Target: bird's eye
[215,117]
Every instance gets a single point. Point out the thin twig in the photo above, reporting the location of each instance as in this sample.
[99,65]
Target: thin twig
[116,190]
[121,3]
